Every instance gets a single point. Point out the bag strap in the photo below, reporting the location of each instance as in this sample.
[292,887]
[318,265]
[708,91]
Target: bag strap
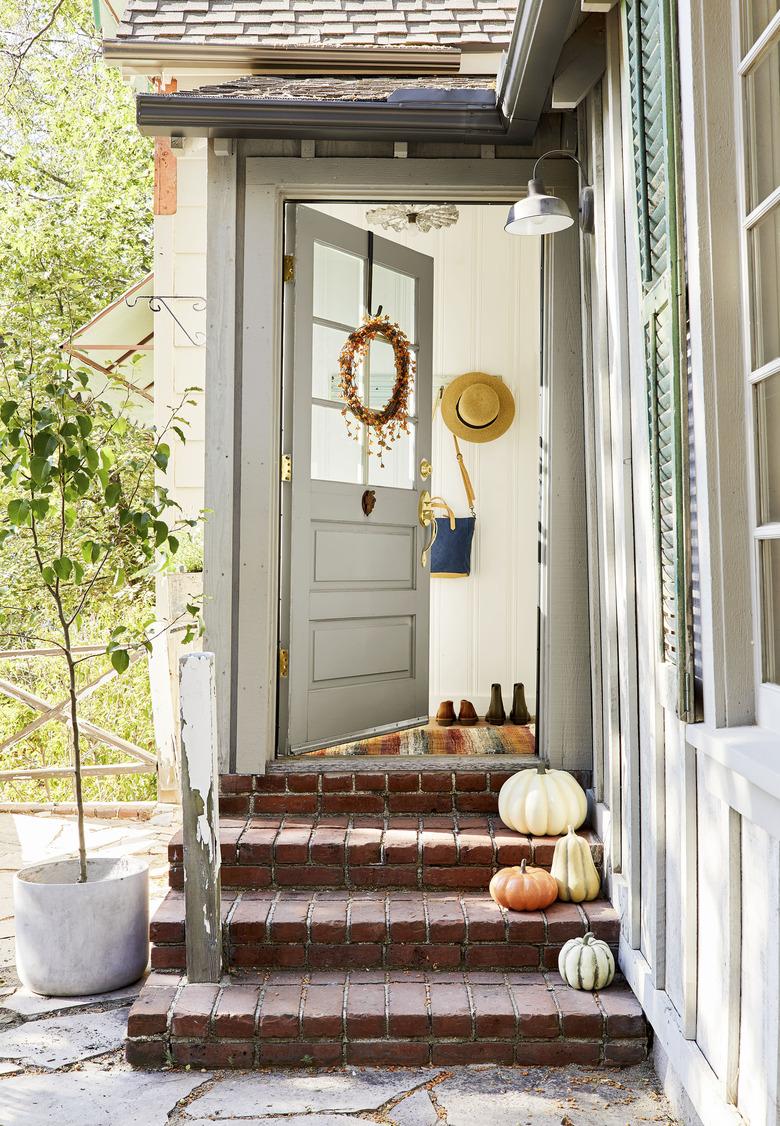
[467,485]
[440,502]
[468,488]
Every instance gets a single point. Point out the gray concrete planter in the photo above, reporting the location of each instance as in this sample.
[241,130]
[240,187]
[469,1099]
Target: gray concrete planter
[74,939]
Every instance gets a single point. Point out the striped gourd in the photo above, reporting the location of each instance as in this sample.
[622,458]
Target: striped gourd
[586,963]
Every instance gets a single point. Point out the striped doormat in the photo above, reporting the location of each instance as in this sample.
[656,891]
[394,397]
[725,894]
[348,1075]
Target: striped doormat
[433,740]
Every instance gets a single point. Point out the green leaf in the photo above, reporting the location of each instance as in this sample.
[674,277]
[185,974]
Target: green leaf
[8,410]
[18,512]
[173,544]
[120,659]
[40,506]
[84,423]
[45,443]
[161,456]
[63,567]
[112,494]
[90,551]
[40,470]
[81,483]
[160,532]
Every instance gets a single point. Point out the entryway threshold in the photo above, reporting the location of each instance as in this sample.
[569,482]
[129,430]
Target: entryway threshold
[401,764]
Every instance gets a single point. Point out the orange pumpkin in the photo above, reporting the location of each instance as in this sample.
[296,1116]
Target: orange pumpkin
[523,889]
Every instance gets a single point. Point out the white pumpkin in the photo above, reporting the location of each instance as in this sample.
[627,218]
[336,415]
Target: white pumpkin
[542,802]
[586,963]
[574,870]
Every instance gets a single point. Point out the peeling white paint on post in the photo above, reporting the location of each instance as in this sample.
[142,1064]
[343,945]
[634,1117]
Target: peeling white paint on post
[200,813]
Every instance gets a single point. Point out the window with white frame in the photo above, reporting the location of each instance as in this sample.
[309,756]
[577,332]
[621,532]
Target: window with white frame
[758,98]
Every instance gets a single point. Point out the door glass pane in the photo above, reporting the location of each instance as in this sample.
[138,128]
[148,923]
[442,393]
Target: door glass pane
[382,376]
[335,456]
[767,415]
[399,470]
[756,16]
[396,293]
[762,127]
[764,267]
[338,285]
[770,607]
[326,345]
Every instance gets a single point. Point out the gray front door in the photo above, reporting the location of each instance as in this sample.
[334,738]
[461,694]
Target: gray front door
[355,605]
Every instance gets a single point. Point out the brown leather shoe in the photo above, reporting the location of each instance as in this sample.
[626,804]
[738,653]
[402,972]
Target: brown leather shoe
[495,713]
[445,716]
[519,713]
[467,715]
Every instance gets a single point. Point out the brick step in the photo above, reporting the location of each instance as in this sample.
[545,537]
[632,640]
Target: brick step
[381,787]
[396,930]
[363,791]
[457,852]
[380,1018]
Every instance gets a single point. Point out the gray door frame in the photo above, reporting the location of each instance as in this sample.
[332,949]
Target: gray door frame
[245,217]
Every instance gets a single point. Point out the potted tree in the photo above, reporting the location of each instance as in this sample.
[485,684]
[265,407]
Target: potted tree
[86,518]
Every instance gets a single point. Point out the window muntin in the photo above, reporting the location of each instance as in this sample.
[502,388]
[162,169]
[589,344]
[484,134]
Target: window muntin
[339,300]
[759,104]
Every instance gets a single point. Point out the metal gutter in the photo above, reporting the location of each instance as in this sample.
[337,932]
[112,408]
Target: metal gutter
[145,57]
[539,33]
[421,118]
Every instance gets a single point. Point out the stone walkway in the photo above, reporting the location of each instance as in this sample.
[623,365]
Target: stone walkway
[62,1060]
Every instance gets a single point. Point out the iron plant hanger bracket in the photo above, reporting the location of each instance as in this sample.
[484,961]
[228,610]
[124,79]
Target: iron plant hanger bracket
[160,302]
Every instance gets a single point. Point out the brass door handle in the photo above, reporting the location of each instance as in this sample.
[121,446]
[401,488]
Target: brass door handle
[426,519]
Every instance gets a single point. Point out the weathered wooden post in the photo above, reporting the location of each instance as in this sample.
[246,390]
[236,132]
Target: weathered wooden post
[200,812]
[163,714]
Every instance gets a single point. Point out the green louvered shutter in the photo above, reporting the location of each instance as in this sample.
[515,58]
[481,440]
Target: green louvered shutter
[651,54]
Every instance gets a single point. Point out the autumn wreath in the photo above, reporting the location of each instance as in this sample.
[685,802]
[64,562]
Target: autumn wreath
[386,424]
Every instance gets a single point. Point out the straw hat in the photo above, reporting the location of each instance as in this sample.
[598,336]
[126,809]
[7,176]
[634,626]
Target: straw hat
[477,407]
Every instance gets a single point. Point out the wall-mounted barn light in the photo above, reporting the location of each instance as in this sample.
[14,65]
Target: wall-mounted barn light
[543,214]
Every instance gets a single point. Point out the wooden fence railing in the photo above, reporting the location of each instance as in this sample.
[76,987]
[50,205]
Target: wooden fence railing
[139,761]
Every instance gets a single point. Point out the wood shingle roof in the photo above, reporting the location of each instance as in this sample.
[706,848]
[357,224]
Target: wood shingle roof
[321,23]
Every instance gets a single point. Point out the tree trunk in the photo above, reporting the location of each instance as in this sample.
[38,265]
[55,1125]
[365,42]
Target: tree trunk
[74,723]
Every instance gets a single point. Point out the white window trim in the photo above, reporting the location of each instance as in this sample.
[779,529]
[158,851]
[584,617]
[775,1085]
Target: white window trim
[767,694]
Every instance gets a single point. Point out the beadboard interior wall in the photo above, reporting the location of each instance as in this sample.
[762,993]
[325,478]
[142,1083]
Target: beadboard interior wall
[486,318]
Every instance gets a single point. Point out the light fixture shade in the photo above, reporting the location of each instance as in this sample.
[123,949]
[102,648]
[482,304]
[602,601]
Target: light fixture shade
[538,213]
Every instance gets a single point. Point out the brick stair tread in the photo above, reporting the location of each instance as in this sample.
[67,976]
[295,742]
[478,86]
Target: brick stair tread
[317,929]
[293,841]
[377,1017]
[400,916]
[380,786]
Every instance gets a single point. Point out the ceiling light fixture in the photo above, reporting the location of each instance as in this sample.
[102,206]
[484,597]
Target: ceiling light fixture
[543,214]
[405,216]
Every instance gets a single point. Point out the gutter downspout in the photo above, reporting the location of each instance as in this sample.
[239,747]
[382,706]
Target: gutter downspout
[538,35]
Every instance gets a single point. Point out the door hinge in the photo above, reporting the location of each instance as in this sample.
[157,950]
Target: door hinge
[286,469]
[284,662]
[288,268]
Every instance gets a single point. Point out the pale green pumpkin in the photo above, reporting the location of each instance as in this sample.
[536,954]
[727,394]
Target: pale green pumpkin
[586,963]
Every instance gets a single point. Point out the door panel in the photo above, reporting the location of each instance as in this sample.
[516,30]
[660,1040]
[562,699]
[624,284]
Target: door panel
[358,614]
[347,556]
